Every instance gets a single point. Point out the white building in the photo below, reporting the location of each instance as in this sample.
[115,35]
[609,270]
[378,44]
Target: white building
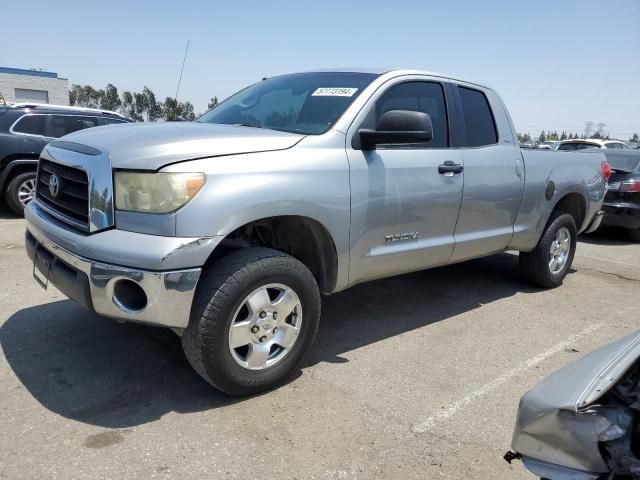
[37,86]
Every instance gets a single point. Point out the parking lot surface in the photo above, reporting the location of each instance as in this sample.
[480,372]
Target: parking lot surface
[417,376]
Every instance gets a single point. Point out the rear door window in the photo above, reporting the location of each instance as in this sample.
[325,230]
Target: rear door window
[65,124]
[478,119]
[31,125]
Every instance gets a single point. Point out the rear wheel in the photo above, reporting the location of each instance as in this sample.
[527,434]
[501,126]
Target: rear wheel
[255,315]
[21,190]
[548,264]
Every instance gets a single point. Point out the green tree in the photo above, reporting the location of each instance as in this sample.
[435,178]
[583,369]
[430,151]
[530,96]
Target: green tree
[173,110]
[128,106]
[524,137]
[152,108]
[634,138]
[212,103]
[542,137]
[110,100]
[138,106]
[74,91]
[563,136]
[84,96]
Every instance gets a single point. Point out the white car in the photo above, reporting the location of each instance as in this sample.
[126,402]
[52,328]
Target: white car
[580,144]
[550,145]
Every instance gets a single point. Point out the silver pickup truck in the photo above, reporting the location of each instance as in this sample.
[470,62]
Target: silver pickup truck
[227,230]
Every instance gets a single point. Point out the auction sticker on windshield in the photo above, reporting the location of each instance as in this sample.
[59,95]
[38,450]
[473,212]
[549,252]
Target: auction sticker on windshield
[334,92]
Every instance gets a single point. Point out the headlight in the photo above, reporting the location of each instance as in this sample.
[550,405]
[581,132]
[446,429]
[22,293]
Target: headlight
[155,192]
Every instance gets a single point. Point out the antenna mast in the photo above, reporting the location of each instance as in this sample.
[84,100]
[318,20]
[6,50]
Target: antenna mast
[181,70]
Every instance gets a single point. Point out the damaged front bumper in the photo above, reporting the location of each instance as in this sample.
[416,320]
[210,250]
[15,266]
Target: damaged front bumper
[123,275]
[581,422]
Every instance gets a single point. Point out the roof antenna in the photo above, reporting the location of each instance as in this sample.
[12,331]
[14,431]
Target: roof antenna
[181,70]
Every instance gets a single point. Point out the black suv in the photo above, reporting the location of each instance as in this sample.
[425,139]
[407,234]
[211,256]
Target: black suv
[24,131]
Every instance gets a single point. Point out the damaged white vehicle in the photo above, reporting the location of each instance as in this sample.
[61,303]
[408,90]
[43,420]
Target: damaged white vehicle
[581,423]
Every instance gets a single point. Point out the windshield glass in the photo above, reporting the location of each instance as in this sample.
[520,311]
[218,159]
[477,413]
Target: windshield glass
[305,103]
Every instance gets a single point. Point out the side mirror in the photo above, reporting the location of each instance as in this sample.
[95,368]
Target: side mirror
[398,126]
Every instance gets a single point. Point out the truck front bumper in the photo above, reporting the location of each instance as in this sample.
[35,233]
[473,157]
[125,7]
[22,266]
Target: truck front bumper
[131,293]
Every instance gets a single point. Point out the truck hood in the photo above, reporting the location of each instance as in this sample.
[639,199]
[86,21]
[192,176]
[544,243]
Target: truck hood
[150,146]
[559,423]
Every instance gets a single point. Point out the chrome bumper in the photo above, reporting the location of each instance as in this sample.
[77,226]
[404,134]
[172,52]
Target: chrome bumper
[167,295]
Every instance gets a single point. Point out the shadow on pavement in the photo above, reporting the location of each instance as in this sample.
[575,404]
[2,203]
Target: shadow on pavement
[608,236]
[6,213]
[96,371]
[92,370]
[374,311]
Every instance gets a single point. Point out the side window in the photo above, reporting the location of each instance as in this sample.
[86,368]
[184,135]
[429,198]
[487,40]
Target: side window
[427,97]
[65,124]
[110,121]
[478,119]
[31,124]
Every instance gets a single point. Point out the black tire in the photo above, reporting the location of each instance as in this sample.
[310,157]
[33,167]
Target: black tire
[12,194]
[221,290]
[634,235]
[534,265]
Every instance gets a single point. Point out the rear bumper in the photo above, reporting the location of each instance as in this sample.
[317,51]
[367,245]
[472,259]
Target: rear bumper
[625,215]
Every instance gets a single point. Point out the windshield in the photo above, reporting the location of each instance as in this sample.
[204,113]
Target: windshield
[305,103]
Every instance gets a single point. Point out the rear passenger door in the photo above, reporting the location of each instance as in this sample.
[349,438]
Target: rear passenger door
[493,179]
[61,125]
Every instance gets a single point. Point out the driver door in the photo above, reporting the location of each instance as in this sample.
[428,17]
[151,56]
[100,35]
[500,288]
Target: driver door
[403,209]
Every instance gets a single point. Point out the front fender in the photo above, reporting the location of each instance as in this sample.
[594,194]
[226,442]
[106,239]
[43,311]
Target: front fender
[307,181]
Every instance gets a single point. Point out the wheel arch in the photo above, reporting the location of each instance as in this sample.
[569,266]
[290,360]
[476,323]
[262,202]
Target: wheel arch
[16,166]
[300,236]
[575,204]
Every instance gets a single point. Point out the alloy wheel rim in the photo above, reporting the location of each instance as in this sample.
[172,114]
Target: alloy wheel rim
[559,250]
[26,190]
[265,327]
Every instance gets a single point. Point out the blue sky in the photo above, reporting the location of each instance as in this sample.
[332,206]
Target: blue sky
[556,63]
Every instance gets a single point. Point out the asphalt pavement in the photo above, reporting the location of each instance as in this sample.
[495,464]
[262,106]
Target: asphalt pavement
[416,376]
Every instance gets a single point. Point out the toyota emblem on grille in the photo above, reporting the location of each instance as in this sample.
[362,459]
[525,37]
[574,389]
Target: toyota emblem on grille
[54,185]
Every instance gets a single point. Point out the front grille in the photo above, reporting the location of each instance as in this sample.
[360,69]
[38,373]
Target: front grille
[72,200]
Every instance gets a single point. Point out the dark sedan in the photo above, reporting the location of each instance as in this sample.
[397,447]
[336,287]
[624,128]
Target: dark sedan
[622,202]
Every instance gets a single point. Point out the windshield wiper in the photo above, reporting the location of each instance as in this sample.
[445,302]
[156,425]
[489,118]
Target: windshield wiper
[247,125]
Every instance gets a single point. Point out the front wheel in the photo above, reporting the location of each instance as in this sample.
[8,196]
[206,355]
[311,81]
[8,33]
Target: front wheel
[547,264]
[255,315]
[21,191]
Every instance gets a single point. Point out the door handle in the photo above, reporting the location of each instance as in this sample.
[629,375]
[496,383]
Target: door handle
[449,168]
